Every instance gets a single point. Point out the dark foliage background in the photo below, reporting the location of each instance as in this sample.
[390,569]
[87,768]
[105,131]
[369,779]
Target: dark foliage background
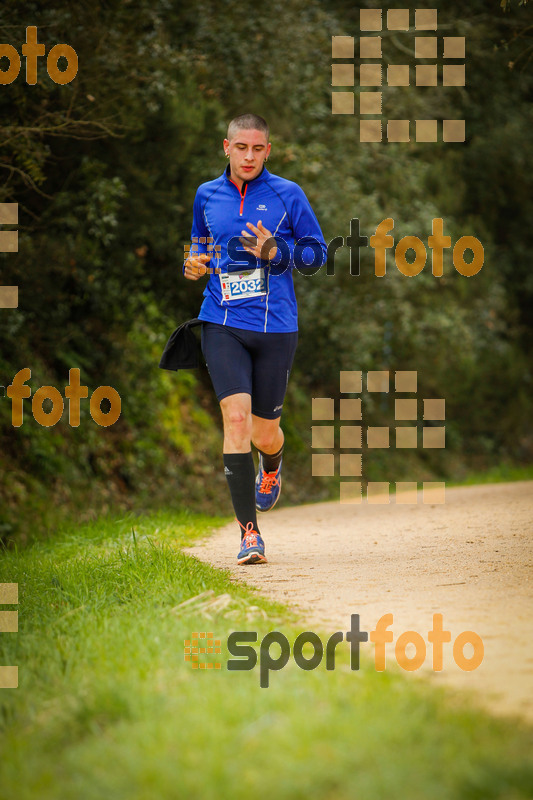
[105,169]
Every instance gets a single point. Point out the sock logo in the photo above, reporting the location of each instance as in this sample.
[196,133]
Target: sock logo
[227,471]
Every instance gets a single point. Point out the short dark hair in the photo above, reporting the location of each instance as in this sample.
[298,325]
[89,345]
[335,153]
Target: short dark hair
[247,122]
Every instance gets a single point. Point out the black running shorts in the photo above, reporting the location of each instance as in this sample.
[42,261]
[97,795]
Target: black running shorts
[255,363]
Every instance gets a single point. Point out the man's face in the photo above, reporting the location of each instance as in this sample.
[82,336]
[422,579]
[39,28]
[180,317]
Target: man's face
[247,152]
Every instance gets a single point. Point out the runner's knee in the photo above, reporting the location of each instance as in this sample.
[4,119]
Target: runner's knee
[237,418]
[237,423]
[265,442]
[267,436]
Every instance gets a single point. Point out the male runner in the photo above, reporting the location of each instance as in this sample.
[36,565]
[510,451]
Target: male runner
[252,220]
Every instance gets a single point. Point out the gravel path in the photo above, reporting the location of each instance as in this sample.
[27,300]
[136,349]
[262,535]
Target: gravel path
[470,560]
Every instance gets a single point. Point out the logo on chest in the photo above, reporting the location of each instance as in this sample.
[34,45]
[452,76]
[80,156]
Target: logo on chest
[261,207]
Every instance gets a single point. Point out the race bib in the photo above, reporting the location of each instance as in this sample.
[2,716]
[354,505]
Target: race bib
[240,285]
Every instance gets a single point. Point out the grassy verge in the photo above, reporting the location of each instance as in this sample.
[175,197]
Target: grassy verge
[502,473]
[108,708]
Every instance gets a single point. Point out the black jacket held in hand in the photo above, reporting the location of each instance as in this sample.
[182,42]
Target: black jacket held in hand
[181,350]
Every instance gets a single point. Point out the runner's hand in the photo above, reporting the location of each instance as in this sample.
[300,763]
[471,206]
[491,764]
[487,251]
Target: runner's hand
[256,244]
[196,266]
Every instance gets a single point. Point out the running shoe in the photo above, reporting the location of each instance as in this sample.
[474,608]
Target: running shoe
[267,487]
[252,547]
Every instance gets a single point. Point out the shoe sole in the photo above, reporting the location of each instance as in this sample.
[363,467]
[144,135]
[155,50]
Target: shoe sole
[253,558]
[264,510]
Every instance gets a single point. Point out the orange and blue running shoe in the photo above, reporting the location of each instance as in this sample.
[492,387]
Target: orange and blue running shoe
[252,546]
[267,487]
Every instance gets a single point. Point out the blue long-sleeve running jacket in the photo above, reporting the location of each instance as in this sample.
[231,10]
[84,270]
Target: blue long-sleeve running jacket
[220,214]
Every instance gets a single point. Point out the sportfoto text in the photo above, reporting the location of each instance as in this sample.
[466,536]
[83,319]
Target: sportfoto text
[32,50]
[74,392]
[380,636]
[380,242]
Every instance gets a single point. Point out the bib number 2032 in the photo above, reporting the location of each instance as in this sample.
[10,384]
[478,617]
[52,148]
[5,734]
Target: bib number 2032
[239,285]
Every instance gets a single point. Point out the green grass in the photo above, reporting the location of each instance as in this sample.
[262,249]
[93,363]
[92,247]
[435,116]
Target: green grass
[107,707]
[502,473]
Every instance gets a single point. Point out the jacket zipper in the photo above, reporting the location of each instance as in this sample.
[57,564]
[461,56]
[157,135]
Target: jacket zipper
[242,194]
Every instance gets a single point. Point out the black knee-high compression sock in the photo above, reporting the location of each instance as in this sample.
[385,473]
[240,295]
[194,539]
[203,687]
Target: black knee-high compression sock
[271,461]
[240,474]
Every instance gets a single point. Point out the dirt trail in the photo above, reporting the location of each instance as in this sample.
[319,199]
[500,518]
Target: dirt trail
[470,559]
